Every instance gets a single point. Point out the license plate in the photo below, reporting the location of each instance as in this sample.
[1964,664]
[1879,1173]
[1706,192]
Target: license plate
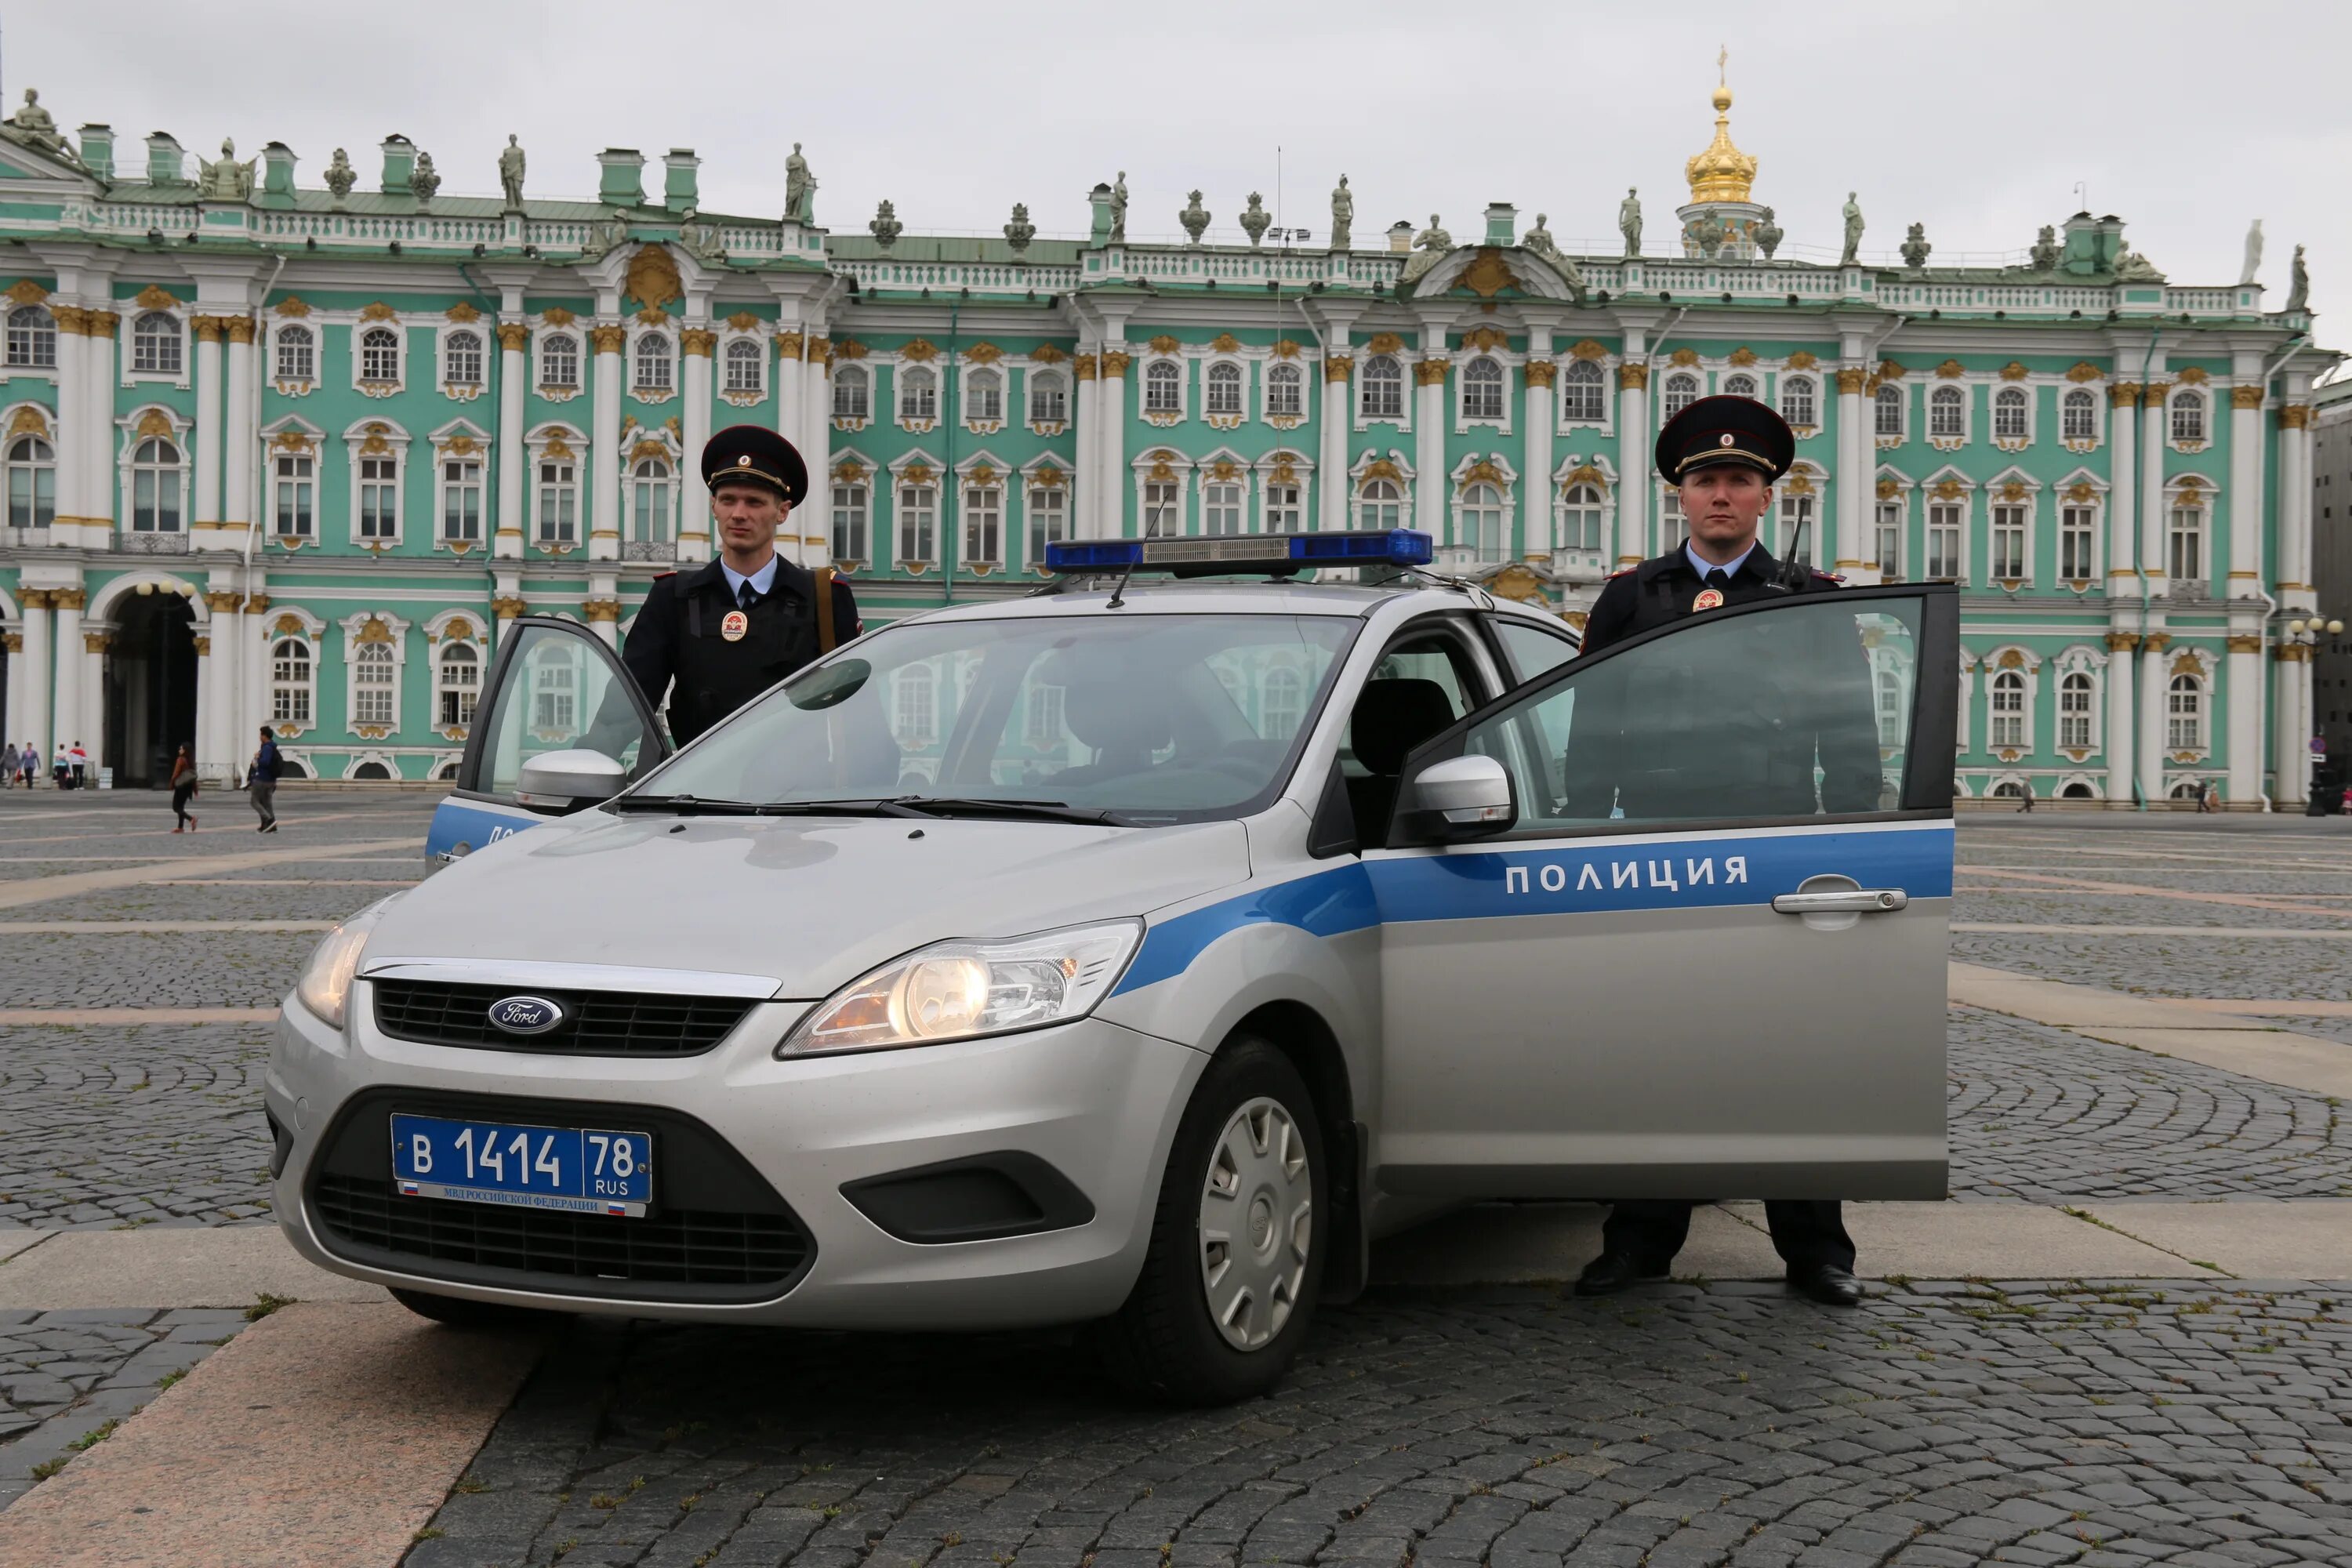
[577,1170]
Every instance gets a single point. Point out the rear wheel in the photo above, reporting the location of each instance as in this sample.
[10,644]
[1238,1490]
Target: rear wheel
[463,1313]
[1235,1264]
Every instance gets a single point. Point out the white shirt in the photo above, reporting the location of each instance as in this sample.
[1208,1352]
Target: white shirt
[1701,565]
[763,582]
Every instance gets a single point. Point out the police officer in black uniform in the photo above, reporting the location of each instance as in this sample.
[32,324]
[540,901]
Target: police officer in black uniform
[717,636]
[1724,454]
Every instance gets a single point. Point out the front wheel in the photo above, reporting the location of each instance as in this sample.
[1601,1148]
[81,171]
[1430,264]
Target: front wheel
[1235,1265]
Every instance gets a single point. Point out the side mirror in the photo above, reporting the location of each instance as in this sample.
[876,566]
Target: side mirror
[567,781]
[1461,797]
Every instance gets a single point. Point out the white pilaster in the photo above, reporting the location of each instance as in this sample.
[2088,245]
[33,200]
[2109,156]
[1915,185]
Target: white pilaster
[253,630]
[35,692]
[2242,672]
[2245,479]
[1338,418]
[1110,441]
[240,438]
[2295,590]
[694,504]
[1536,410]
[66,633]
[1429,424]
[1086,485]
[99,434]
[2153,557]
[1855,486]
[513,461]
[1634,482]
[207,739]
[92,723]
[73,359]
[815,443]
[2153,688]
[207,435]
[2121,713]
[791,392]
[2290,730]
[16,683]
[605,447]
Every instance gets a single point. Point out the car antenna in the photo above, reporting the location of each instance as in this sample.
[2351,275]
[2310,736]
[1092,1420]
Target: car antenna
[1151,529]
[1792,574]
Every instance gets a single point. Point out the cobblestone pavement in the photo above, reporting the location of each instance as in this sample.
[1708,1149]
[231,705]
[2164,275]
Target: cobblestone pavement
[2056,908]
[171,969]
[2299,968]
[1934,1428]
[65,1378]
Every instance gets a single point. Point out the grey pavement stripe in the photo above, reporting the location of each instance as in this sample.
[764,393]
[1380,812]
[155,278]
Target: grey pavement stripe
[124,1017]
[327,882]
[303,821]
[150,927]
[2287,933]
[42,890]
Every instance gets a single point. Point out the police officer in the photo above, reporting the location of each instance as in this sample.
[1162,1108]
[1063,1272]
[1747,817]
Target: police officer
[717,636]
[1724,454]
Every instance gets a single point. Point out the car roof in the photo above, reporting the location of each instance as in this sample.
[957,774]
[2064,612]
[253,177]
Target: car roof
[1233,596]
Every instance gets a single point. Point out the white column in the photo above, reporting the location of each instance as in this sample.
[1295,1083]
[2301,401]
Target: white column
[816,449]
[99,435]
[71,430]
[513,461]
[240,438]
[2243,670]
[1110,441]
[34,724]
[2290,728]
[1536,485]
[1086,415]
[2245,482]
[207,433]
[605,447]
[217,755]
[791,391]
[208,706]
[2295,569]
[1634,482]
[2153,685]
[1429,423]
[2123,489]
[1855,489]
[1339,419]
[91,726]
[2122,650]
[694,503]
[253,628]
[2153,557]
[17,684]
[66,633]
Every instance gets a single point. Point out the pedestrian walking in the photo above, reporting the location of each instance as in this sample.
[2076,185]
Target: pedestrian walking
[261,782]
[80,766]
[61,767]
[183,790]
[2025,800]
[11,760]
[31,755]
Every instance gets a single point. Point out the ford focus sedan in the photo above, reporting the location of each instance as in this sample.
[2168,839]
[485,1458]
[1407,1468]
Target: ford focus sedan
[1135,953]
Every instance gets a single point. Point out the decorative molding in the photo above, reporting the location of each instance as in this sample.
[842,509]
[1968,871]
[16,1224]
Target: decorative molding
[1085,367]
[155,297]
[1385,343]
[25,291]
[1852,380]
[652,277]
[1540,372]
[922,350]
[1891,370]
[1488,275]
[1164,344]
[2245,397]
[1587,348]
[699,341]
[848,348]
[30,419]
[1429,371]
[1337,367]
[293,307]
[1802,360]
[1114,364]
[1485,340]
[2194,376]
[1950,370]
[598,611]
[1286,349]
[557,316]
[609,339]
[1685,357]
[1742,356]
[514,337]
[2123,393]
[1632,377]
[2295,416]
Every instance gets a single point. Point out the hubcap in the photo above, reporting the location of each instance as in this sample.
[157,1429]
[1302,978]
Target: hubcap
[1256,1223]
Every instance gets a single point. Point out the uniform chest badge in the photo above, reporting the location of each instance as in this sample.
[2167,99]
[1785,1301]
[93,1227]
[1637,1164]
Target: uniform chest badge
[737,623]
[1708,599]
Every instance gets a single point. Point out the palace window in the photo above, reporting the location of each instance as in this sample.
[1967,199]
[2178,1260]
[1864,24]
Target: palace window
[559,361]
[919,393]
[290,681]
[918,523]
[1383,388]
[2008,710]
[2189,417]
[155,344]
[298,355]
[1887,411]
[1482,528]
[1800,402]
[2075,712]
[1889,530]
[2008,409]
[1944,541]
[1797,511]
[156,487]
[1891,708]
[1740,386]
[1224,390]
[653,361]
[1946,414]
[914,716]
[373,680]
[2008,565]
[1284,511]
[461,500]
[850,521]
[380,355]
[32,483]
[1049,399]
[983,396]
[1049,518]
[2185,558]
[1221,506]
[1163,388]
[850,388]
[295,495]
[559,501]
[650,488]
[1482,389]
[1163,508]
[461,359]
[1285,391]
[460,683]
[1381,505]
[1583,393]
[2078,415]
[983,525]
[32,339]
[2078,533]
[1682,391]
[2184,723]
[744,361]
[552,701]
[1282,706]
[1581,518]
[379,508]
[1043,718]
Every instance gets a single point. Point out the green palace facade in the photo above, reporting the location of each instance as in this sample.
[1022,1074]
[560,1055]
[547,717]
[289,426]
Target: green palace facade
[291,452]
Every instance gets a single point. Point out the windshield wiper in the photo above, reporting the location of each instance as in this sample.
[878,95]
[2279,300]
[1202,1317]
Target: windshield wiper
[983,805]
[696,806]
[683,805]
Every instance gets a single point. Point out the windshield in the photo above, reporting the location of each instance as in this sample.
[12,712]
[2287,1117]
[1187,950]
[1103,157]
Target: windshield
[1150,718]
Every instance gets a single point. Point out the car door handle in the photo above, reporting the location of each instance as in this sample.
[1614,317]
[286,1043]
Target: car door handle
[1841,901]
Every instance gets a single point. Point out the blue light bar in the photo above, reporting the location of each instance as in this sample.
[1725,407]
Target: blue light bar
[1243,553]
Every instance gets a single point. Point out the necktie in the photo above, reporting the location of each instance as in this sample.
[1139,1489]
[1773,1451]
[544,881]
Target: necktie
[1720,579]
[747,596]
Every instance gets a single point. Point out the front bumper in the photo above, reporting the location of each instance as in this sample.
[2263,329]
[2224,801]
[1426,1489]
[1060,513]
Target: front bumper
[1096,1102]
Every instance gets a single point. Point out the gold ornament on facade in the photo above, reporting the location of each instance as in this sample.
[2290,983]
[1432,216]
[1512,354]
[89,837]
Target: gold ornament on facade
[1587,348]
[208,329]
[101,323]
[1802,360]
[653,316]
[922,350]
[463,311]
[2245,397]
[460,446]
[557,316]
[373,630]
[849,471]
[1085,367]
[204,644]
[1163,344]
[1485,340]
[1722,172]
[2187,663]
[2194,376]
[2014,491]
[1584,474]
[1684,357]
[374,445]
[849,348]
[2082,493]
[293,305]
[1632,377]
[608,339]
[1889,370]
[1743,356]
[1282,471]
[1114,364]
[2014,371]
[2294,415]
[1888,489]
[1224,468]
[68,598]
[1047,477]
[646,449]
[1225,343]
[1540,372]
[2244,643]
[557,448]
[1380,469]
[289,625]
[697,340]
[96,642]
[220,601]
[1797,485]
[2154,642]
[916,473]
[239,328]
[982,354]
[2012,659]
[652,277]
[1482,472]
[154,296]
[1046,353]
[2083,370]
[507,606]
[2153,394]
[155,422]
[818,352]
[73,320]
[1950,490]
[1337,367]
[598,611]
[1950,369]
[28,420]
[743,321]
[25,291]
[1429,371]
[1487,275]
[514,337]
[377,311]
[2124,394]
[1385,343]
[1852,380]
[1286,349]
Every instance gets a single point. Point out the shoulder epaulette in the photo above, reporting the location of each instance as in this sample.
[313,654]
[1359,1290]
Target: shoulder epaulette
[1624,571]
[1828,576]
[659,575]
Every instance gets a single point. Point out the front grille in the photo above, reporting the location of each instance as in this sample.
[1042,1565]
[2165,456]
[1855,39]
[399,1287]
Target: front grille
[680,1246]
[596,1023]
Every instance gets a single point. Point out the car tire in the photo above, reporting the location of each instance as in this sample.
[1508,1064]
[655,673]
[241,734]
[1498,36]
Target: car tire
[1220,1310]
[464,1312]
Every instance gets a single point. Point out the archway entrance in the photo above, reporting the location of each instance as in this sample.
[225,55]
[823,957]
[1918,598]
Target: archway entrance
[150,688]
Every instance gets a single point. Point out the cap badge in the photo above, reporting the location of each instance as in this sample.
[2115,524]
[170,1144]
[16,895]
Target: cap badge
[1723,439]
[1708,599]
[733,627]
[745,462]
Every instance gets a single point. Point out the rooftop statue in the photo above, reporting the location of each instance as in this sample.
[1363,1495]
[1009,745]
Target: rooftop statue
[2047,251]
[1255,218]
[2253,263]
[424,180]
[226,181]
[1431,246]
[1194,217]
[1853,230]
[1343,215]
[510,163]
[34,126]
[1629,220]
[800,189]
[341,175]
[1020,231]
[1916,248]
[2298,287]
[1539,240]
[885,225]
[2134,267]
[1769,233]
[1118,209]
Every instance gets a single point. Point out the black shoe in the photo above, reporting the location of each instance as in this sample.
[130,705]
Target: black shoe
[1825,1283]
[1614,1271]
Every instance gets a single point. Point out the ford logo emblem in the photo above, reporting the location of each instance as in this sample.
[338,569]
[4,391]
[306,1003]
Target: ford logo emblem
[526,1015]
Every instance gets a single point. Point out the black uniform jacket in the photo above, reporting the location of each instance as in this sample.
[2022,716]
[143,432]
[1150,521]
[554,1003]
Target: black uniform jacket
[680,635]
[1776,719]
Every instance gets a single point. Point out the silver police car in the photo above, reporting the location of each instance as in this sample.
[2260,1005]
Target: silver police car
[1136,952]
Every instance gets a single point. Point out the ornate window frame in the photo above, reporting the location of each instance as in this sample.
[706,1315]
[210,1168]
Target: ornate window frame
[1226,466]
[984,359]
[919,356]
[1484,347]
[374,628]
[1386,346]
[1786,380]
[1891,487]
[381,438]
[462,441]
[2189,659]
[30,298]
[1283,466]
[640,333]
[291,435]
[851,468]
[1878,384]
[1586,350]
[2090,663]
[298,624]
[1392,467]
[1964,727]
[1042,362]
[2179,491]
[2013,659]
[985,472]
[848,354]
[463,318]
[1948,487]
[917,468]
[2186,392]
[1286,354]
[554,323]
[154,301]
[2083,488]
[643,444]
[378,316]
[153,420]
[276,345]
[2097,403]
[742,327]
[455,628]
[1163,353]
[1239,363]
[1047,471]
[2013,487]
[1806,480]
[33,422]
[2013,379]
[1482,468]
[1158,465]
[1575,472]
[557,441]
[1966,387]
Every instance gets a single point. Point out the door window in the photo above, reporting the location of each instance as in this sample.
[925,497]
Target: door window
[558,689]
[1532,649]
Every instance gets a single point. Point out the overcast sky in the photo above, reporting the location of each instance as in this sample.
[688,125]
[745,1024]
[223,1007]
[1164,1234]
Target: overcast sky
[2188,118]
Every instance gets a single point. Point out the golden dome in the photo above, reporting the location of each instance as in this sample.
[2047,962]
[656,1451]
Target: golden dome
[1723,172]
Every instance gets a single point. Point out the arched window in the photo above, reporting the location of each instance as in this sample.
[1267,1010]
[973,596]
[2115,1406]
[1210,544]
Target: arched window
[1282,706]
[1382,505]
[2078,790]
[1799,401]
[298,355]
[1163,388]
[559,361]
[1888,408]
[1221,506]
[2184,725]
[1742,386]
[1583,393]
[2075,712]
[156,487]
[2008,789]
[653,363]
[918,513]
[744,359]
[1946,411]
[983,396]
[1891,708]
[1049,399]
[1482,389]
[461,359]
[294,495]
[32,339]
[460,683]
[850,388]
[2188,414]
[374,678]
[2008,409]
[32,483]
[2009,708]
[649,503]
[1224,390]
[919,393]
[851,501]
[2079,416]
[2185,539]
[1383,392]
[1682,391]
[1285,387]
[559,501]
[380,355]
[1481,528]
[1580,519]
[1284,504]
[916,719]
[290,681]
[156,343]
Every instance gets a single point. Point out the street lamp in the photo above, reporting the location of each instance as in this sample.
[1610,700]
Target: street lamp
[2306,633]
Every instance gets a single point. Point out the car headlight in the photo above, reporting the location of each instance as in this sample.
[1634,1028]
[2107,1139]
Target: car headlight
[961,990]
[326,983]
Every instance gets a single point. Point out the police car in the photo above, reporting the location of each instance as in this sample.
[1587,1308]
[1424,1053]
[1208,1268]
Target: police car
[1136,952]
